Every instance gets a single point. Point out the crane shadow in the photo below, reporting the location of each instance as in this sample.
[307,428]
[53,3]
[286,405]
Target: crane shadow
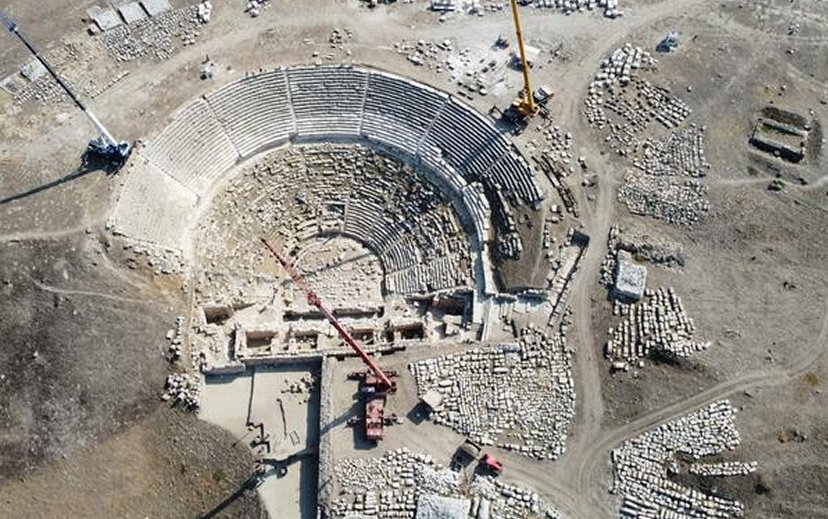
[89,164]
[248,485]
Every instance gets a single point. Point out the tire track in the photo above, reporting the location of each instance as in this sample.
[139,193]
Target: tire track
[586,477]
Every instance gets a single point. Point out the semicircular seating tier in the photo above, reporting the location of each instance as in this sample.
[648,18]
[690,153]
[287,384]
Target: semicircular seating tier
[298,195]
[460,150]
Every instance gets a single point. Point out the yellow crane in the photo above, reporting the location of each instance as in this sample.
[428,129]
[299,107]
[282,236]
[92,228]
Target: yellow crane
[525,103]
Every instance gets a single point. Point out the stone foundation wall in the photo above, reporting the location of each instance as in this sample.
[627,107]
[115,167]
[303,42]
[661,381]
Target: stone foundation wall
[326,418]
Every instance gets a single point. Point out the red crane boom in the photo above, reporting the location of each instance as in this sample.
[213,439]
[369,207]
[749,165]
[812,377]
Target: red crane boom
[314,300]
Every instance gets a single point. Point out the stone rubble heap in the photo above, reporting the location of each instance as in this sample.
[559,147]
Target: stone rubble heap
[204,11]
[643,466]
[625,105]
[520,397]
[473,71]
[443,5]
[479,8]
[306,384]
[610,7]
[155,37]
[620,100]
[473,7]
[175,336]
[374,3]
[558,145]
[723,469]
[183,390]
[33,83]
[657,251]
[43,89]
[301,193]
[657,324]
[76,62]
[392,486]
[494,498]
[430,506]
[557,159]
[627,111]
[556,173]
[670,199]
[620,67]
[548,239]
[682,153]
[425,53]
[338,43]
[563,269]
[508,244]
[389,486]
[344,271]
[255,7]
[340,37]
[668,182]
[608,265]
[159,259]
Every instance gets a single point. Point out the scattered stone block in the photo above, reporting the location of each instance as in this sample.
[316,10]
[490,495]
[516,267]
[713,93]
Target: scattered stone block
[430,506]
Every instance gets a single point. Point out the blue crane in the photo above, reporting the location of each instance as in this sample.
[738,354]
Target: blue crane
[104,145]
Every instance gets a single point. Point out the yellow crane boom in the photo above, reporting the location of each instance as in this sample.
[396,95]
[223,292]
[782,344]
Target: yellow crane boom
[526,103]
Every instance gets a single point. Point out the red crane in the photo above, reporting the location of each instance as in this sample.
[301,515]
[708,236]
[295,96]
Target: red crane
[374,387]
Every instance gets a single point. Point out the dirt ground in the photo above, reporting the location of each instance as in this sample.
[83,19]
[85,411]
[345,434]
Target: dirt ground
[82,360]
[88,339]
[168,465]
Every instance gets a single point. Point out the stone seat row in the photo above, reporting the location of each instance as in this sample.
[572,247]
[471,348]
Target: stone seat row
[403,230]
[268,109]
[439,274]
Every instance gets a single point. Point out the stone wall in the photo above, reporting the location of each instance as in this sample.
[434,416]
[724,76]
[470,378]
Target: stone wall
[326,418]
